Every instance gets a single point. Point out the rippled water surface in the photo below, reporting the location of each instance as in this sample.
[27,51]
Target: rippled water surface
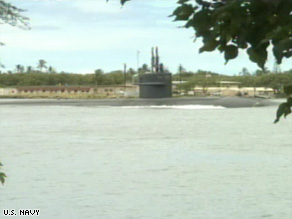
[146,163]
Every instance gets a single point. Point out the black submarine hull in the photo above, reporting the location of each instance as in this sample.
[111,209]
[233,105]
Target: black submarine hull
[228,102]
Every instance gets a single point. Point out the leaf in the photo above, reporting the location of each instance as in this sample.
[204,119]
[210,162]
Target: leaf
[209,46]
[183,12]
[201,22]
[288,90]
[288,54]
[258,56]
[273,2]
[222,47]
[240,40]
[182,1]
[289,101]
[2,177]
[231,52]
[281,48]
[124,1]
[241,43]
[283,109]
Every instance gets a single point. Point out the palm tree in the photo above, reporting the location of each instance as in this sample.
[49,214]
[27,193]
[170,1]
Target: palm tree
[51,70]
[181,70]
[244,72]
[99,77]
[42,64]
[28,69]
[18,68]
[22,69]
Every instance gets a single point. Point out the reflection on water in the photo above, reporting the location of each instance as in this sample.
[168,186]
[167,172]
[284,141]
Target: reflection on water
[121,163]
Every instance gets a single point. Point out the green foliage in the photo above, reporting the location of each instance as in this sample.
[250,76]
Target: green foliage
[288,90]
[243,24]
[99,77]
[10,14]
[183,12]
[38,78]
[275,81]
[231,52]
[144,69]
[244,72]
[2,175]
[284,109]
[42,64]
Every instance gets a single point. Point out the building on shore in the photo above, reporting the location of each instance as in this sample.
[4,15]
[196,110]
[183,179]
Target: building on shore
[7,91]
[225,88]
[72,91]
[231,88]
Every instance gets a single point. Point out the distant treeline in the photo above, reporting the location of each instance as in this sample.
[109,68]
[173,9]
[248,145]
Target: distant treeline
[267,79]
[200,78]
[38,78]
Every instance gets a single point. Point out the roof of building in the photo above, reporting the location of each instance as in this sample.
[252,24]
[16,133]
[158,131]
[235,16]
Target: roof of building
[64,87]
[229,82]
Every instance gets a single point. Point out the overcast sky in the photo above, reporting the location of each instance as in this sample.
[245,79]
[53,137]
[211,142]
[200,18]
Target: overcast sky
[80,36]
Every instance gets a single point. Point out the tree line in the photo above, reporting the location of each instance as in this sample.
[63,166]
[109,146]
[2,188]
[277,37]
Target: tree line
[257,79]
[37,78]
[48,76]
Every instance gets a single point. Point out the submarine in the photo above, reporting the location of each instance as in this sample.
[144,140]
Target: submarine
[156,83]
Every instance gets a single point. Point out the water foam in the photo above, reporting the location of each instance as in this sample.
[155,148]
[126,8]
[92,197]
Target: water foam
[187,107]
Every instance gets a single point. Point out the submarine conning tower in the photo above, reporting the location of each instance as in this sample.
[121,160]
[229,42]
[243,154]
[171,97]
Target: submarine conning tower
[157,83]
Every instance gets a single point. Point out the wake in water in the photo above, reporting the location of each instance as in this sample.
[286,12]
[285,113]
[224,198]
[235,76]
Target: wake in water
[188,107]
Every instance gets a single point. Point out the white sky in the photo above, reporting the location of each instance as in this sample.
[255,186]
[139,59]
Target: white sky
[80,36]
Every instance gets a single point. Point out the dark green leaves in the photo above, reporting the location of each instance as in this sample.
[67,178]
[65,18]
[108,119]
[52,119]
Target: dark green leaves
[9,14]
[282,49]
[183,12]
[2,175]
[124,1]
[283,109]
[209,46]
[249,24]
[258,56]
[288,90]
[231,52]
[182,1]
[232,25]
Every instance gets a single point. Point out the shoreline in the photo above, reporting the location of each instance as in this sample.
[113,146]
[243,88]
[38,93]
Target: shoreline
[227,102]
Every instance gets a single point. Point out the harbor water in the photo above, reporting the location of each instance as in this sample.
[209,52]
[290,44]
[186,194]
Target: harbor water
[189,162]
